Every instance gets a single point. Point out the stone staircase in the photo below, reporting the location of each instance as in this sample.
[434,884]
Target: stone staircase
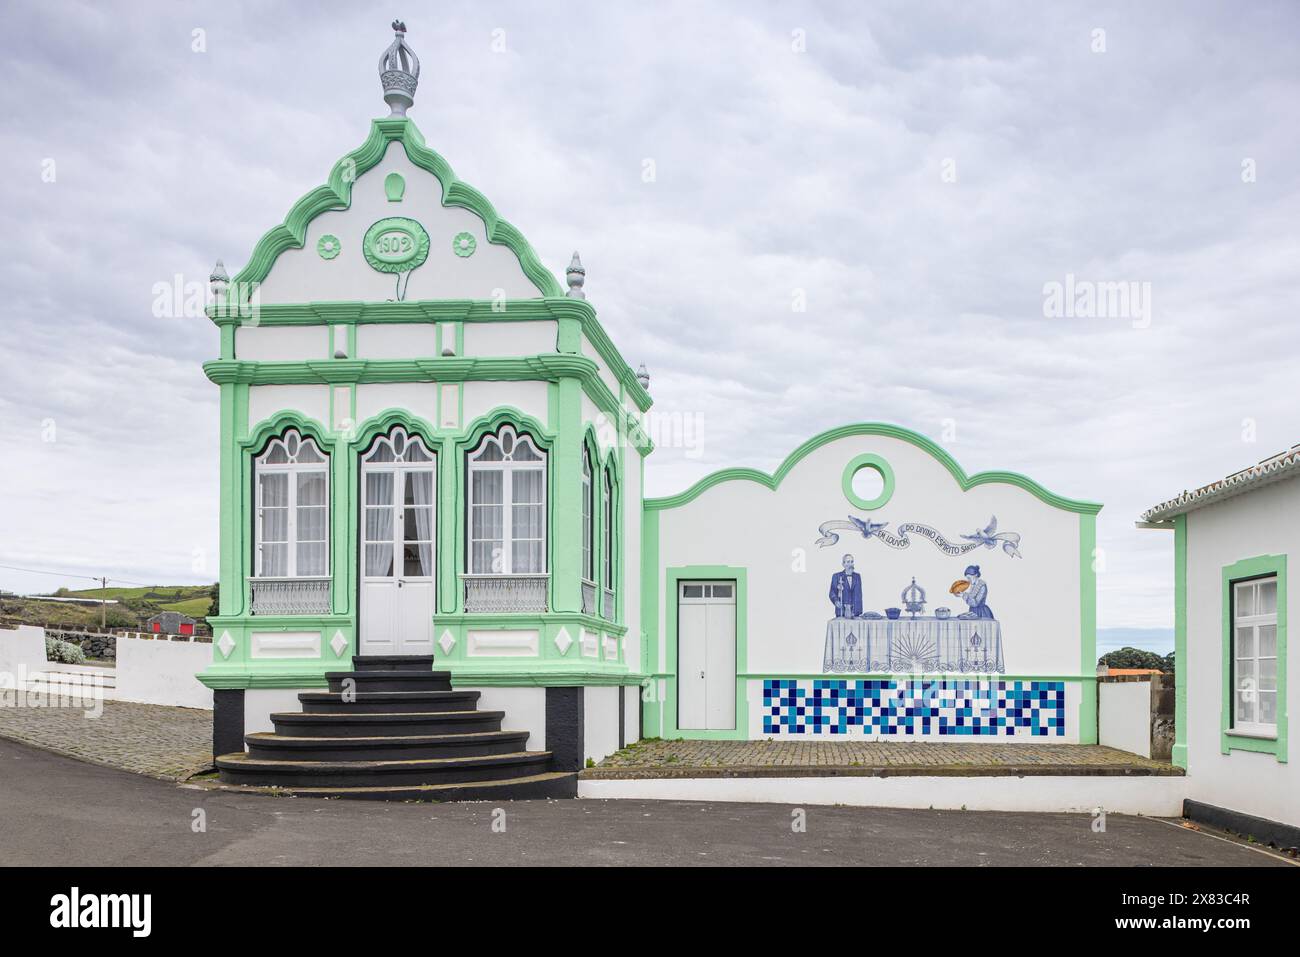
[399,733]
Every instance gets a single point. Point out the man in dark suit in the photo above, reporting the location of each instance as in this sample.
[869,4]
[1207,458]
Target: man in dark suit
[846,591]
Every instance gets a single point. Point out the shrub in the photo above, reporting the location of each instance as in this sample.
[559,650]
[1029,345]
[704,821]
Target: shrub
[64,652]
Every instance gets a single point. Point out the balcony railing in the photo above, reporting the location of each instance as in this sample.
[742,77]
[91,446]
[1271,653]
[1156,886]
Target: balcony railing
[588,597]
[290,596]
[608,610]
[500,594]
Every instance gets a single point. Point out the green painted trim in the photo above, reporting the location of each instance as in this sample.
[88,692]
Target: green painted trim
[876,675]
[1228,739]
[540,678]
[394,187]
[651,706]
[706,572]
[337,194]
[574,318]
[1088,708]
[412,230]
[873,428]
[548,367]
[1179,751]
[881,467]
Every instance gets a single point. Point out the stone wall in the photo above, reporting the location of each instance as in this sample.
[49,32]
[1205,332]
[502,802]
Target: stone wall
[101,646]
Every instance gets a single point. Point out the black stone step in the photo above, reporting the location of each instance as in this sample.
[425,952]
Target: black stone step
[392,662]
[554,784]
[276,747]
[381,724]
[333,702]
[390,680]
[243,769]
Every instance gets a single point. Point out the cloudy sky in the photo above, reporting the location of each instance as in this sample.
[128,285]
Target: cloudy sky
[914,175]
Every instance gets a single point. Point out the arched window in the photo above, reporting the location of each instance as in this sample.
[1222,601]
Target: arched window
[609,529]
[292,528]
[397,496]
[610,540]
[507,505]
[588,518]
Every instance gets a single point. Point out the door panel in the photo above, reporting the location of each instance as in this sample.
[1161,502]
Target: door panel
[692,639]
[399,552]
[706,656]
[720,666]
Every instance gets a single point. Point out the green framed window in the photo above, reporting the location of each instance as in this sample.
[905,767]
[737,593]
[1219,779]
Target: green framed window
[1254,656]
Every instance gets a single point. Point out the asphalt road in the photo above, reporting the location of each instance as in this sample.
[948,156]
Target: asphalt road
[57,811]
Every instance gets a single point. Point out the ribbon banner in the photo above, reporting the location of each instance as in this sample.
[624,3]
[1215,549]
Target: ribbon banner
[988,537]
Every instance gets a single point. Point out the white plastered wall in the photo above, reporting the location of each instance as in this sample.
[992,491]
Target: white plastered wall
[483,397]
[773,535]
[300,275]
[1263,522]
[527,338]
[600,721]
[282,343]
[525,710]
[265,401]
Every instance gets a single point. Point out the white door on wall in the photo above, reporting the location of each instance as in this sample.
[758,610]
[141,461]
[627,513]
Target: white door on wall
[398,546]
[706,655]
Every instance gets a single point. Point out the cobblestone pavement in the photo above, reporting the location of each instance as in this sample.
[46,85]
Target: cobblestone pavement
[658,758]
[162,742]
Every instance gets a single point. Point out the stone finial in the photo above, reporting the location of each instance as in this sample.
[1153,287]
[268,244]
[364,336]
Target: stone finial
[219,281]
[576,276]
[399,72]
[643,377]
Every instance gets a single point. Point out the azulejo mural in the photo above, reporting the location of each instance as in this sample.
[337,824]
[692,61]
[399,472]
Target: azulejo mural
[860,640]
[905,707]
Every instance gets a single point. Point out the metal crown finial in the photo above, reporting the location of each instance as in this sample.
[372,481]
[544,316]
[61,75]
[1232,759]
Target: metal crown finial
[643,377]
[576,275]
[399,72]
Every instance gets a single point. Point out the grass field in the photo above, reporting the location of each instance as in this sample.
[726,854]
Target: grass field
[132,608]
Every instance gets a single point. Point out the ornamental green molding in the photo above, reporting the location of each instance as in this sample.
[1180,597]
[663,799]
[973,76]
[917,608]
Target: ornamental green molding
[455,310]
[936,451]
[395,244]
[337,194]
[869,460]
[551,367]
[463,245]
[328,246]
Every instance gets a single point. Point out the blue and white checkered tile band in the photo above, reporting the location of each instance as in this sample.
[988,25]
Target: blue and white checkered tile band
[913,706]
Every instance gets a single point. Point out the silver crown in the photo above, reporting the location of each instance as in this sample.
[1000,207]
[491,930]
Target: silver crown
[399,72]
[576,276]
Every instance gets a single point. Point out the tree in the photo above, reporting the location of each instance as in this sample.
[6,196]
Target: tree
[1137,658]
[215,607]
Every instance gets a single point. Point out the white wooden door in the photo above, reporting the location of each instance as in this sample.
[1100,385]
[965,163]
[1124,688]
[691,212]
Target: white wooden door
[398,546]
[706,655]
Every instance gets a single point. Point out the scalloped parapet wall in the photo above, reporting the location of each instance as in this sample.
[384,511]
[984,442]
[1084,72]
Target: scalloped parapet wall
[289,267]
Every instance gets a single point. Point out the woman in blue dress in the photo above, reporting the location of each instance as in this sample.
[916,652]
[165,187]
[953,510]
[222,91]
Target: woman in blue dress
[974,595]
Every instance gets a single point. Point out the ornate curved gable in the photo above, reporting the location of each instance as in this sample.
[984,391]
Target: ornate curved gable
[394,223]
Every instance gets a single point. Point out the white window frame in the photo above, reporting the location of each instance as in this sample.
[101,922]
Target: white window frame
[1254,622]
[400,465]
[508,467]
[610,529]
[293,469]
[588,518]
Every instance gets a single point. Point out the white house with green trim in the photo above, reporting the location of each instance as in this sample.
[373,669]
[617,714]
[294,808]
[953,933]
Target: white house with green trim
[429,447]
[1232,539]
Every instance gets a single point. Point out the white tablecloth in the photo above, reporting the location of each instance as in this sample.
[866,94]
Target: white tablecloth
[930,645]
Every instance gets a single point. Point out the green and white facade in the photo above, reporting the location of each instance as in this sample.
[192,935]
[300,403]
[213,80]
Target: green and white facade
[1233,540]
[430,445]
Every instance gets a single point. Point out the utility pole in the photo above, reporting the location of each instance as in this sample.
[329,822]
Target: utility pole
[103,594]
